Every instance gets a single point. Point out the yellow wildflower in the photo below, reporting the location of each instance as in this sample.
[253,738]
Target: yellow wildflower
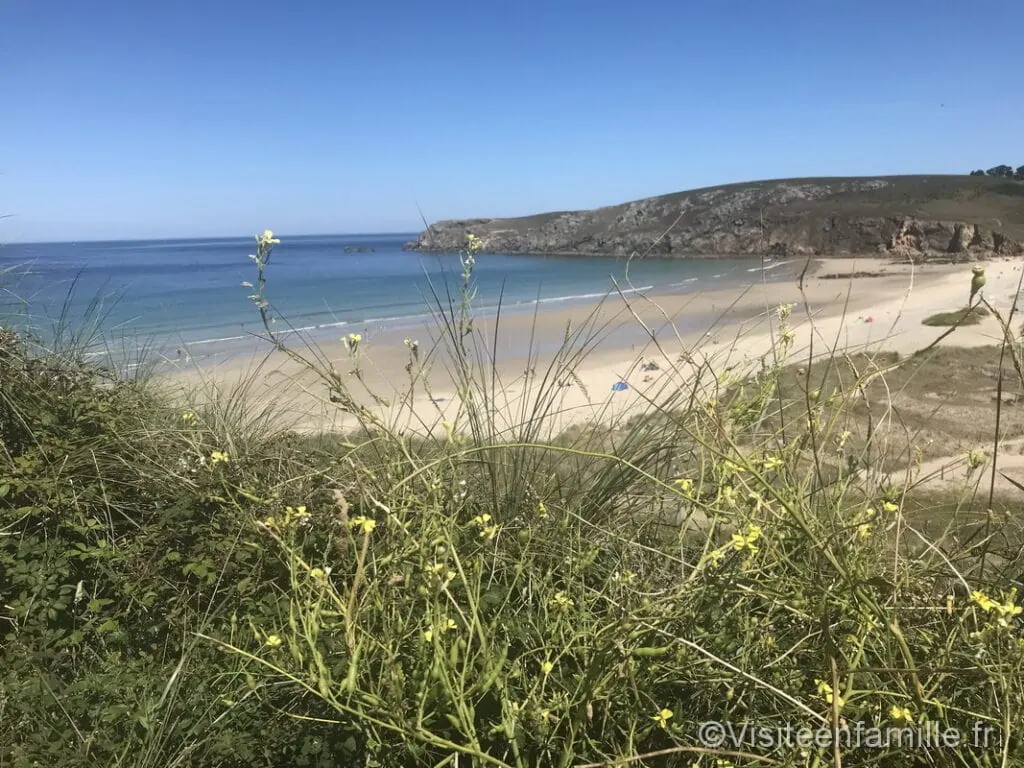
[864,530]
[274,641]
[441,572]
[1009,609]
[663,716]
[746,541]
[986,602]
[626,577]
[447,626]
[826,692]
[975,459]
[542,509]
[889,507]
[561,601]
[685,485]
[901,715]
[487,529]
[188,417]
[293,513]
[1005,611]
[546,667]
[218,456]
[363,523]
[352,341]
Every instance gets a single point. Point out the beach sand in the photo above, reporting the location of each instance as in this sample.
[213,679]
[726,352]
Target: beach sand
[651,343]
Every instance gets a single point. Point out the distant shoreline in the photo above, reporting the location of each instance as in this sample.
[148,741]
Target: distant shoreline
[935,257]
[608,255]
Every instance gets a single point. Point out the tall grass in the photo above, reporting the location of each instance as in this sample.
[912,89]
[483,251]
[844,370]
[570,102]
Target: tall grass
[728,555]
[481,588]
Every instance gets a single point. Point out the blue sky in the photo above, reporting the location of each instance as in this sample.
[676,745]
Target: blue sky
[130,120]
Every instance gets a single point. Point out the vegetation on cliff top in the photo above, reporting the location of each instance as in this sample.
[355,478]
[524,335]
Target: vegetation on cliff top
[1002,172]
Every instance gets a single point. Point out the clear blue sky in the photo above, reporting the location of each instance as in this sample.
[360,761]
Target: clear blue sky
[135,119]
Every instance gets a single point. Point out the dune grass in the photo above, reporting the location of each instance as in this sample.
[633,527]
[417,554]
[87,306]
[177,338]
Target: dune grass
[195,584]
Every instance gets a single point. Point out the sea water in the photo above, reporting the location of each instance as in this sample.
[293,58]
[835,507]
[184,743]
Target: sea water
[174,295]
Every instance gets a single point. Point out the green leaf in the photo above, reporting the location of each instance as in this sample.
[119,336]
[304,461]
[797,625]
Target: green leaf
[110,625]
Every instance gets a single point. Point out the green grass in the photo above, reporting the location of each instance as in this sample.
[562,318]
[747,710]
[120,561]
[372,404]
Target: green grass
[965,316]
[746,550]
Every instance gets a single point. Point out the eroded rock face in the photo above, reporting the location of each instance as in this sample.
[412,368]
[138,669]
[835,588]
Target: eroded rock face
[897,215]
[1004,246]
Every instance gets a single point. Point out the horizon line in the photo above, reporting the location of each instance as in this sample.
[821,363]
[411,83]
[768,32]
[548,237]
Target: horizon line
[209,237]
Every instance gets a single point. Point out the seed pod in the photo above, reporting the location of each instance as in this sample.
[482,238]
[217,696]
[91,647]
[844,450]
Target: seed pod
[652,652]
[977,282]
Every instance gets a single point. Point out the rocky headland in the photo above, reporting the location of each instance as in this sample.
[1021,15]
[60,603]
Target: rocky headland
[918,217]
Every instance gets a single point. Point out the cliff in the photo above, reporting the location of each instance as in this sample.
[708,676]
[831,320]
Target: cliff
[919,216]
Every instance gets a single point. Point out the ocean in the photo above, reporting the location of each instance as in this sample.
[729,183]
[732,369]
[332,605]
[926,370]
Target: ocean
[173,295]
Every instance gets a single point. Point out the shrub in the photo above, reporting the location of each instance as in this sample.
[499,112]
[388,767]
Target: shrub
[965,316]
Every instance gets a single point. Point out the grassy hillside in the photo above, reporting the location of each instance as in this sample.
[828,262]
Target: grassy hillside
[816,215]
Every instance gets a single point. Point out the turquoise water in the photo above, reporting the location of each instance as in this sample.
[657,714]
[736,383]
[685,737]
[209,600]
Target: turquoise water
[169,294]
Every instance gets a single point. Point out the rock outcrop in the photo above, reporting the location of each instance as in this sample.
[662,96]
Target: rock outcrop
[917,216]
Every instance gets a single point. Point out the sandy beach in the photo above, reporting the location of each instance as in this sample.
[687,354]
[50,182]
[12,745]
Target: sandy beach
[624,354]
